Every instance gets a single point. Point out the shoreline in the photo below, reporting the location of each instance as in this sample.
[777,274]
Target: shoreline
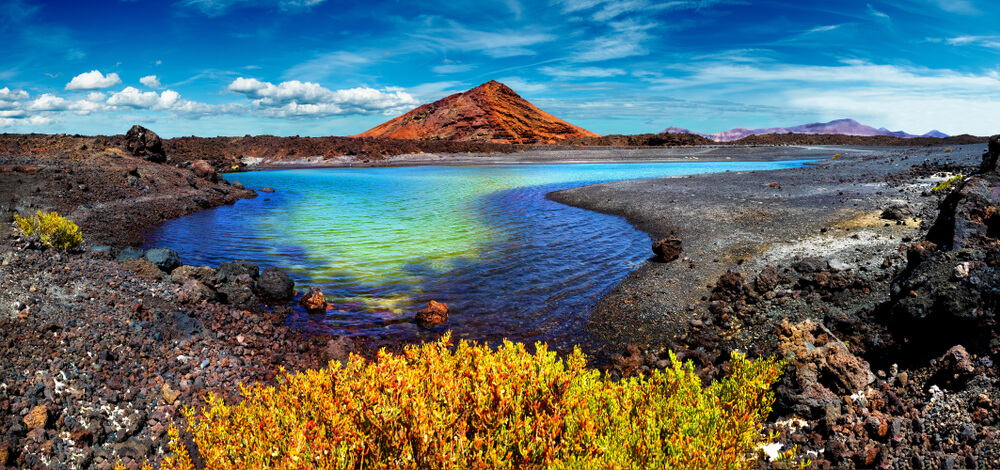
[165,346]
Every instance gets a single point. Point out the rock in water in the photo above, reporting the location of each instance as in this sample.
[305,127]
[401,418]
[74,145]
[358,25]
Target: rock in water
[144,143]
[435,313]
[313,300]
[667,249]
[164,258]
[276,284]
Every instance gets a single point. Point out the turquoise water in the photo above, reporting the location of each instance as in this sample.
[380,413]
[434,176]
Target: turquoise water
[381,242]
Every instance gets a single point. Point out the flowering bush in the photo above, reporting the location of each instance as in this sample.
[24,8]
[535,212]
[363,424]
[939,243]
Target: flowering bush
[467,406]
[53,230]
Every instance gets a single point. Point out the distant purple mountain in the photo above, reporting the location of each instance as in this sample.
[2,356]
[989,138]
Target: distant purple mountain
[839,126]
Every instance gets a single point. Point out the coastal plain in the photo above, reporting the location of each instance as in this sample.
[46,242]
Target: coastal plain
[102,351]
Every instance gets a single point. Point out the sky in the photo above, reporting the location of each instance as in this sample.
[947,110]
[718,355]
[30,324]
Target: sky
[326,67]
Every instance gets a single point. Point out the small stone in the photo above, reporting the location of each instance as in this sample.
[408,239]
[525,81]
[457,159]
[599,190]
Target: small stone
[169,395]
[38,417]
[962,270]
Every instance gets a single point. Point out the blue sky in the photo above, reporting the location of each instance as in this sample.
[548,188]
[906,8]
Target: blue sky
[324,67]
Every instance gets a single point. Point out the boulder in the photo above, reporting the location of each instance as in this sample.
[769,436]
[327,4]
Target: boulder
[954,368]
[182,274]
[164,258]
[238,296]
[897,212]
[810,265]
[434,313]
[144,143]
[238,185]
[267,190]
[820,370]
[143,268]
[767,280]
[205,170]
[228,272]
[130,253]
[667,249]
[194,292]
[314,300]
[275,284]
[989,164]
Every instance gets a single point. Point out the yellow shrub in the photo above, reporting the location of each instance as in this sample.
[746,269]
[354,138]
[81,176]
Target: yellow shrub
[948,183]
[836,156]
[53,230]
[444,407]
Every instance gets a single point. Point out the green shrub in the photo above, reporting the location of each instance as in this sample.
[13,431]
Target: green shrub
[440,406]
[948,183]
[53,230]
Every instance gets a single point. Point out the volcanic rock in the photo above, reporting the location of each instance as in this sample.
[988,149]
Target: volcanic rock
[491,112]
[193,292]
[229,271]
[954,367]
[144,143]
[130,253]
[433,314]
[38,417]
[143,268]
[275,284]
[897,212]
[239,296]
[820,370]
[164,258]
[314,300]
[667,249]
[203,169]
[182,274]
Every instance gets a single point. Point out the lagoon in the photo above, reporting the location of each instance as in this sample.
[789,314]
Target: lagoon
[381,242]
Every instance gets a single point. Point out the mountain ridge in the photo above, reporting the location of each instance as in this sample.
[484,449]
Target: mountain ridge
[836,126]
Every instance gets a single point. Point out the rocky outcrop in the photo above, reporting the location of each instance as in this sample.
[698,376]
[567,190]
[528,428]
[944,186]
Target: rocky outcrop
[950,290]
[144,143]
[203,169]
[820,372]
[491,112]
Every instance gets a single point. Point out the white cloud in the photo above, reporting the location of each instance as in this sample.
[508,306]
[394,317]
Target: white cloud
[131,97]
[914,99]
[582,72]
[328,64]
[497,44]
[452,68]
[6,94]
[96,96]
[964,7]
[93,80]
[221,7]
[304,99]
[150,81]
[625,44]
[990,42]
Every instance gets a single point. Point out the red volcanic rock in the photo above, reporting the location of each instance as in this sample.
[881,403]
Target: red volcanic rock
[435,313]
[491,112]
[314,299]
[667,249]
[203,169]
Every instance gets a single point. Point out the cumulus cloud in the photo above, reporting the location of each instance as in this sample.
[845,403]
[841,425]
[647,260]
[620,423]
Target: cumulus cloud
[134,98]
[303,99]
[6,94]
[150,81]
[93,80]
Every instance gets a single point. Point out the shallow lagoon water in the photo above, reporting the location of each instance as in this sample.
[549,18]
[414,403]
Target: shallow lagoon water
[381,242]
